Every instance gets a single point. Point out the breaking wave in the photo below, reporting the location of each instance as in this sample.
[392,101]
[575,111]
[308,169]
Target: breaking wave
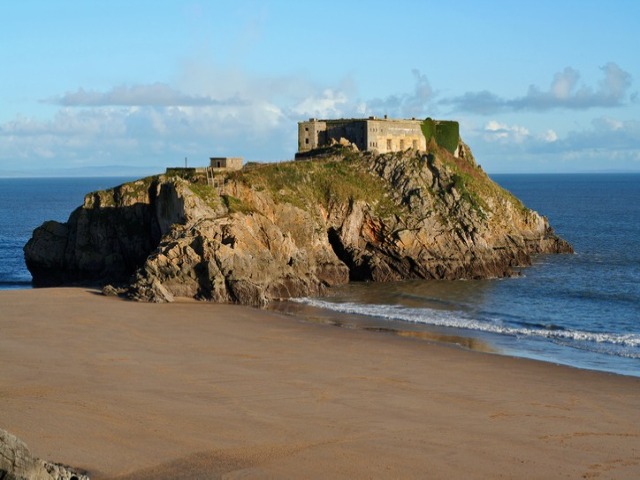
[625,345]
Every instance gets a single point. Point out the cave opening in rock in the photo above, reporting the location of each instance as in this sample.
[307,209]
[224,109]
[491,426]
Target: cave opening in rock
[358,269]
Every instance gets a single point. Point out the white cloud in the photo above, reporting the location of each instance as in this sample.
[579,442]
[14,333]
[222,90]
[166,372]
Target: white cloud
[147,135]
[415,104]
[501,132]
[157,94]
[605,134]
[550,136]
[326,105]
[607,143]
[564,83]
[210,111]
[213,112]
[608,123]
[616,81]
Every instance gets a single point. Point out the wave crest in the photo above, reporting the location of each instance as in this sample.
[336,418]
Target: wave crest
[458,319]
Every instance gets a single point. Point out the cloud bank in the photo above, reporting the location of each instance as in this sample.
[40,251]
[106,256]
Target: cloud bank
[564,92]
[415,104]
[157,94]
[212,112]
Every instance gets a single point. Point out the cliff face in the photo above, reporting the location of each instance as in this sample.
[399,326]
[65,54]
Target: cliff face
[293,229]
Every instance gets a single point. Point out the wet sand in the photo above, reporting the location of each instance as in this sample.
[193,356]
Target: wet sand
[193,390]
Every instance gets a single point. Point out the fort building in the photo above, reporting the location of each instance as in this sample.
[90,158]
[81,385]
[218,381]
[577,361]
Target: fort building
[380,134]
[229,163]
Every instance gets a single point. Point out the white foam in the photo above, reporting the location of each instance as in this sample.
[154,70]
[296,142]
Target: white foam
[458,319]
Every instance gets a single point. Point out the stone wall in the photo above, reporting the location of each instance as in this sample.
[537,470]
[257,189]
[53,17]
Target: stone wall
[385,135]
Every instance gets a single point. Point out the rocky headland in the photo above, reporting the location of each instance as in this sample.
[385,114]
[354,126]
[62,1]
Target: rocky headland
[17,463]
[292,229]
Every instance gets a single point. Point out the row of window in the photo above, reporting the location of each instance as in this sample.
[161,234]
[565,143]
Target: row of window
[414,144]
[402,145]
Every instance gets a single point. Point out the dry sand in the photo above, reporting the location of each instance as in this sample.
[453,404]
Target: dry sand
[194,390]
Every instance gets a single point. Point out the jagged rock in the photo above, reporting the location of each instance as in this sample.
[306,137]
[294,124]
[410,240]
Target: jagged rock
[113,291]
[294,229]
[17,463]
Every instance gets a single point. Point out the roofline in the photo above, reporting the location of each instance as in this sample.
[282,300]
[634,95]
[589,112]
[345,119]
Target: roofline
[381,119]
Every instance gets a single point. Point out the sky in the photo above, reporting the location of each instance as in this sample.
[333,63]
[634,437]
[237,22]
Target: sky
[117,86]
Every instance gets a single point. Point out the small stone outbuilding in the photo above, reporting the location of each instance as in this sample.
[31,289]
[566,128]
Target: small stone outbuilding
[228,163]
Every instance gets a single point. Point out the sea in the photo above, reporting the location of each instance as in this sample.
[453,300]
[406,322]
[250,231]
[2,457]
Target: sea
[581,310]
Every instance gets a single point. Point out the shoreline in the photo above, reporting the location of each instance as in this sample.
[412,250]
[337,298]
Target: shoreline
[483,341]
[131,390]
[462,338]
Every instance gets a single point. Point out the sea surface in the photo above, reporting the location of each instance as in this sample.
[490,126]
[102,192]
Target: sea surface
[581,310]
[25,203]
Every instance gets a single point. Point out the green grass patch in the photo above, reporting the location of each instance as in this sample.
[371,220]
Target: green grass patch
[467,188]
[306,183]
[474,186]
[235,205]
[207,194]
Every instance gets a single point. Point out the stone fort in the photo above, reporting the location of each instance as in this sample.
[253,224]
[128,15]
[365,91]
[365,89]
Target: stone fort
[380,134]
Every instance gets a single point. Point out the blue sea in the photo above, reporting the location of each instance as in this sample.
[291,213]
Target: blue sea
[581,310]
[25,203]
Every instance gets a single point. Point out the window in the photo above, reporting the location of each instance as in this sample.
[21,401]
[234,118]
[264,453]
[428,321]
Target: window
[388,144]
[401,144]
[306,141]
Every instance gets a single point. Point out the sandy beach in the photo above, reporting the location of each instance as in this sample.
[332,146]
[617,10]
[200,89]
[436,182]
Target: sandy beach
[194,390]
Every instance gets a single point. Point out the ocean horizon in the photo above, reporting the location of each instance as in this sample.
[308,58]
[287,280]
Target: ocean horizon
[581,310]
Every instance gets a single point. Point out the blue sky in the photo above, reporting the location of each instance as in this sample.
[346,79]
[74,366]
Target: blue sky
[537,86]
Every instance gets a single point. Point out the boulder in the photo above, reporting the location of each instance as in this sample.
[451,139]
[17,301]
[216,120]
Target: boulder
[17,463]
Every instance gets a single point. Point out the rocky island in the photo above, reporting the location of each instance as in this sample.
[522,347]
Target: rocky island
[289,229]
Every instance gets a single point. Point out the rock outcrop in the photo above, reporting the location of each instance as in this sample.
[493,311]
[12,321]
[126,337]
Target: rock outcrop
[294,229]
[17,463]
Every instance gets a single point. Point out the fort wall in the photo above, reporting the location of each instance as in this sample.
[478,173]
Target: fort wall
[385,135]
[380,134]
